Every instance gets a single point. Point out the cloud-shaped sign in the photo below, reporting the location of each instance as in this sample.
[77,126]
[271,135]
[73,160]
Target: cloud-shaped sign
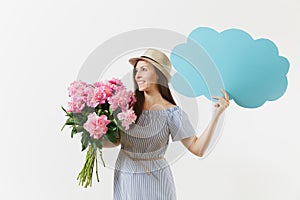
[251,71]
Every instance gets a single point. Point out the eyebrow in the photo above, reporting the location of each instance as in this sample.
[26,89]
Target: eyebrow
[141,66]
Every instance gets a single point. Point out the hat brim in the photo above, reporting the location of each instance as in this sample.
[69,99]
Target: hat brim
[133,61]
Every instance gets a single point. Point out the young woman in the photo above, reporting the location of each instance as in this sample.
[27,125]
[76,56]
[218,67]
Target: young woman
[141,171]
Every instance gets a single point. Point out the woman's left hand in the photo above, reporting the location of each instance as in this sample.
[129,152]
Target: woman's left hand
[222,103]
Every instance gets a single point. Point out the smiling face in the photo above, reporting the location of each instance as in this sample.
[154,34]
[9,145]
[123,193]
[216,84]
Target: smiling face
[145,77]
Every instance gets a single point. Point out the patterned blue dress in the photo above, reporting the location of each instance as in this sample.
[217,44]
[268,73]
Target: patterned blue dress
[141,171]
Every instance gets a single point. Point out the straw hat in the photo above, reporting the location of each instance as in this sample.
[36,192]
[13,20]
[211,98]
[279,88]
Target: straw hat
[156,58]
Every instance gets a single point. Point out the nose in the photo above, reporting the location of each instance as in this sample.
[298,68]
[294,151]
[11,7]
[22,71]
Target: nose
[137,75]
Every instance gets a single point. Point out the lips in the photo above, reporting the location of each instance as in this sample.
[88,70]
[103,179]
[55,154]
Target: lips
[140,82]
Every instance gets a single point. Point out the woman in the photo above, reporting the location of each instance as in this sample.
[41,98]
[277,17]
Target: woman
[141,171]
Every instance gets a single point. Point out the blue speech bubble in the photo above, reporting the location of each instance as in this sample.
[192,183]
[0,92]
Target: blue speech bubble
[252,70]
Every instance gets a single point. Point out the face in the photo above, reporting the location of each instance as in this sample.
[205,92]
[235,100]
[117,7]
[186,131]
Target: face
[146,76]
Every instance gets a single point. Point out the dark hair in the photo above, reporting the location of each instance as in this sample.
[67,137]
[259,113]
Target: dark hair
[163,88]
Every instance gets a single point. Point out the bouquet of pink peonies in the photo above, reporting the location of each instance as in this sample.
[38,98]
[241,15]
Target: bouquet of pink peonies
[97,110]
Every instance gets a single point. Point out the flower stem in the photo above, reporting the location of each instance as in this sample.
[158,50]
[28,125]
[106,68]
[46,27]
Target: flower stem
[101,157]
[86,174]
[97,167]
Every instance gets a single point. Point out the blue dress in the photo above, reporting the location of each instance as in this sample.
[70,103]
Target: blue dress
[141,171]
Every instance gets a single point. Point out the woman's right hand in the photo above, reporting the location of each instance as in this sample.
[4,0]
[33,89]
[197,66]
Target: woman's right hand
[222,103]
[109,144]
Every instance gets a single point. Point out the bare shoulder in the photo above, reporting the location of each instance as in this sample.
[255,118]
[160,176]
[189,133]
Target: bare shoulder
[169,105]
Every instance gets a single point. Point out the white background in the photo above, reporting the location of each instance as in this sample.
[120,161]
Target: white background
[42,47]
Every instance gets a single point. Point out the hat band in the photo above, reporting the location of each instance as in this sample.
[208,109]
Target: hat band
[150,59]
[164,71]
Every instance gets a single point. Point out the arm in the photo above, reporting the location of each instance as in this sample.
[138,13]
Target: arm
[108,144]
[198,145]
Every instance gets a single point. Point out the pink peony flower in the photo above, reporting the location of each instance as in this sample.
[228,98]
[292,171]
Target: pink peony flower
[115,81]
[116,85]
[78,95]
[90,98]
[95,96]
[96,125]
[128,117]
[75,105]
[77,88]
[132,98]
[105,87]
[121,99]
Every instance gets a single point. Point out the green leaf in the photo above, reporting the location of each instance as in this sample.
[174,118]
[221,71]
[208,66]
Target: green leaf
[112,129]
[79,129]
[106,112]
[110,137]
[84,141]
[83,147]
[68,113]
[73,132]
[117,133]
[94,145]
[118,122]
[99,111]
[79,119]
[64,110]
[99,143]
[63,127]
[70,121]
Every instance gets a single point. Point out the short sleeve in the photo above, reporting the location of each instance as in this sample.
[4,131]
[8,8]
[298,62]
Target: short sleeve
[179,125]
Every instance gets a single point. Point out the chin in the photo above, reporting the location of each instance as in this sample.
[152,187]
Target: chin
[142,89]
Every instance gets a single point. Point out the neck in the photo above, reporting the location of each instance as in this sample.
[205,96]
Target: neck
[151,98]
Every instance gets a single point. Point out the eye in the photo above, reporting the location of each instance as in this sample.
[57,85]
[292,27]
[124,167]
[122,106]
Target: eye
[141,69]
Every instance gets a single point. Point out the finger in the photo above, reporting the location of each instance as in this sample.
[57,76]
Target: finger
[225,94]
[221,100]
[216,97]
